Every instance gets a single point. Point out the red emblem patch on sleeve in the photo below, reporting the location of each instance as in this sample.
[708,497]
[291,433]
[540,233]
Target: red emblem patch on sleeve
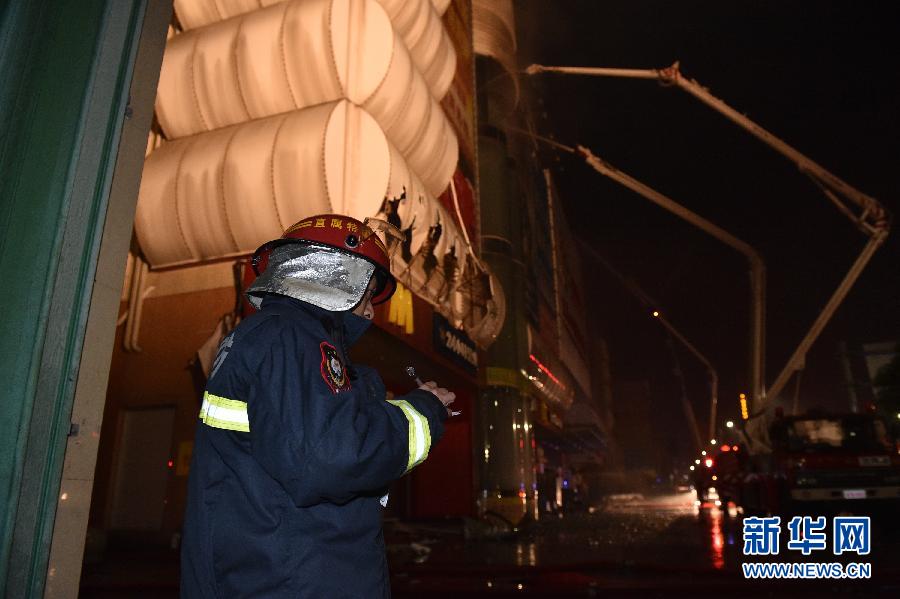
[333,370]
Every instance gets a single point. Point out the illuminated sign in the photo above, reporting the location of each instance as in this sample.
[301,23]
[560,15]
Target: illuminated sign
[400,311]
[455,344]
[744,413]
[545,370]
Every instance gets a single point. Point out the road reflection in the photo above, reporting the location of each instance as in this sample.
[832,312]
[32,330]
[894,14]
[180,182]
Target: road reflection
[717,545]
[634,542]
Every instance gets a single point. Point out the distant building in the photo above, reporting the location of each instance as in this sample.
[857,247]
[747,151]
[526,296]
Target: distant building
[635,421]
[861,364]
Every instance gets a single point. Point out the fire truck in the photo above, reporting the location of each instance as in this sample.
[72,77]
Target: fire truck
[719,476]
[783,462]
[820,462]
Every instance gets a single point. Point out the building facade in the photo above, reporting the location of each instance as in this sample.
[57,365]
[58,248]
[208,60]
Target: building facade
[149,147]
[534,444]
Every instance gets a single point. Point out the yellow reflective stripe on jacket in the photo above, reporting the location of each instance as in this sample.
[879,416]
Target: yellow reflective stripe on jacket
[221,412]
[419,433]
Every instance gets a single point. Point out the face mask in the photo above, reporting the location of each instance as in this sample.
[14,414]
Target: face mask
[318,275]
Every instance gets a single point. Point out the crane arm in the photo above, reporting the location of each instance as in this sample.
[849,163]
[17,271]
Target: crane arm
[869,215]
[872,216]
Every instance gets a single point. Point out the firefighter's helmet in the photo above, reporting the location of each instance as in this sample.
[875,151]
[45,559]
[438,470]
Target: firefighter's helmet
[326,260]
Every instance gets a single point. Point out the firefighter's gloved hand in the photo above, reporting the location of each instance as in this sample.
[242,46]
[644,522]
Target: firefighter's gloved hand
[445,396]
[371,381]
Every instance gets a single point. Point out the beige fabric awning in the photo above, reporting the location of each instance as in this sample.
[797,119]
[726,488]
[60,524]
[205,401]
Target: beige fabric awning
[494,35]
[418,22]
[222,193]
[269,115]
[423,33]
[272,61]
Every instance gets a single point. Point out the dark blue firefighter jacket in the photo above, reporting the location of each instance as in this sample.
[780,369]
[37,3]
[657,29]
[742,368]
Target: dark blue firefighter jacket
[293,454]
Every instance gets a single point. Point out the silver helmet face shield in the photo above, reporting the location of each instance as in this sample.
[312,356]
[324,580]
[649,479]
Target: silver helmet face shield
[318,275]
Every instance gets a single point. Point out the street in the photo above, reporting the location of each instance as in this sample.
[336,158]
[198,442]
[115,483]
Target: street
[634,545]
[660,545]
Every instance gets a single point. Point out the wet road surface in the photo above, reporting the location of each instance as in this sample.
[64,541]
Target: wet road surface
[663,545]
[632,545]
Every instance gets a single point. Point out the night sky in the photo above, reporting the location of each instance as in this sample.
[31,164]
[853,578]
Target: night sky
[820,75]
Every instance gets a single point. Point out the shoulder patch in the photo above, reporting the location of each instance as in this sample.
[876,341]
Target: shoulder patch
[333,370]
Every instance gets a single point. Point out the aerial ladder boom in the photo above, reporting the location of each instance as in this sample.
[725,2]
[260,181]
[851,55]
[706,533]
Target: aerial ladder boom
[866,213]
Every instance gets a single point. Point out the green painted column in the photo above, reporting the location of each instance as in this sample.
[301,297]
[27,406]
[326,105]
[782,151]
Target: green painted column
[506,468]
[65,71]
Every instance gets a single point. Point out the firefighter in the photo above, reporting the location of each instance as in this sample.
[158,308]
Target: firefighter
[296,447]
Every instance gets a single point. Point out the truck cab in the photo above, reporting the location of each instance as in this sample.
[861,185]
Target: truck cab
[824,462]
